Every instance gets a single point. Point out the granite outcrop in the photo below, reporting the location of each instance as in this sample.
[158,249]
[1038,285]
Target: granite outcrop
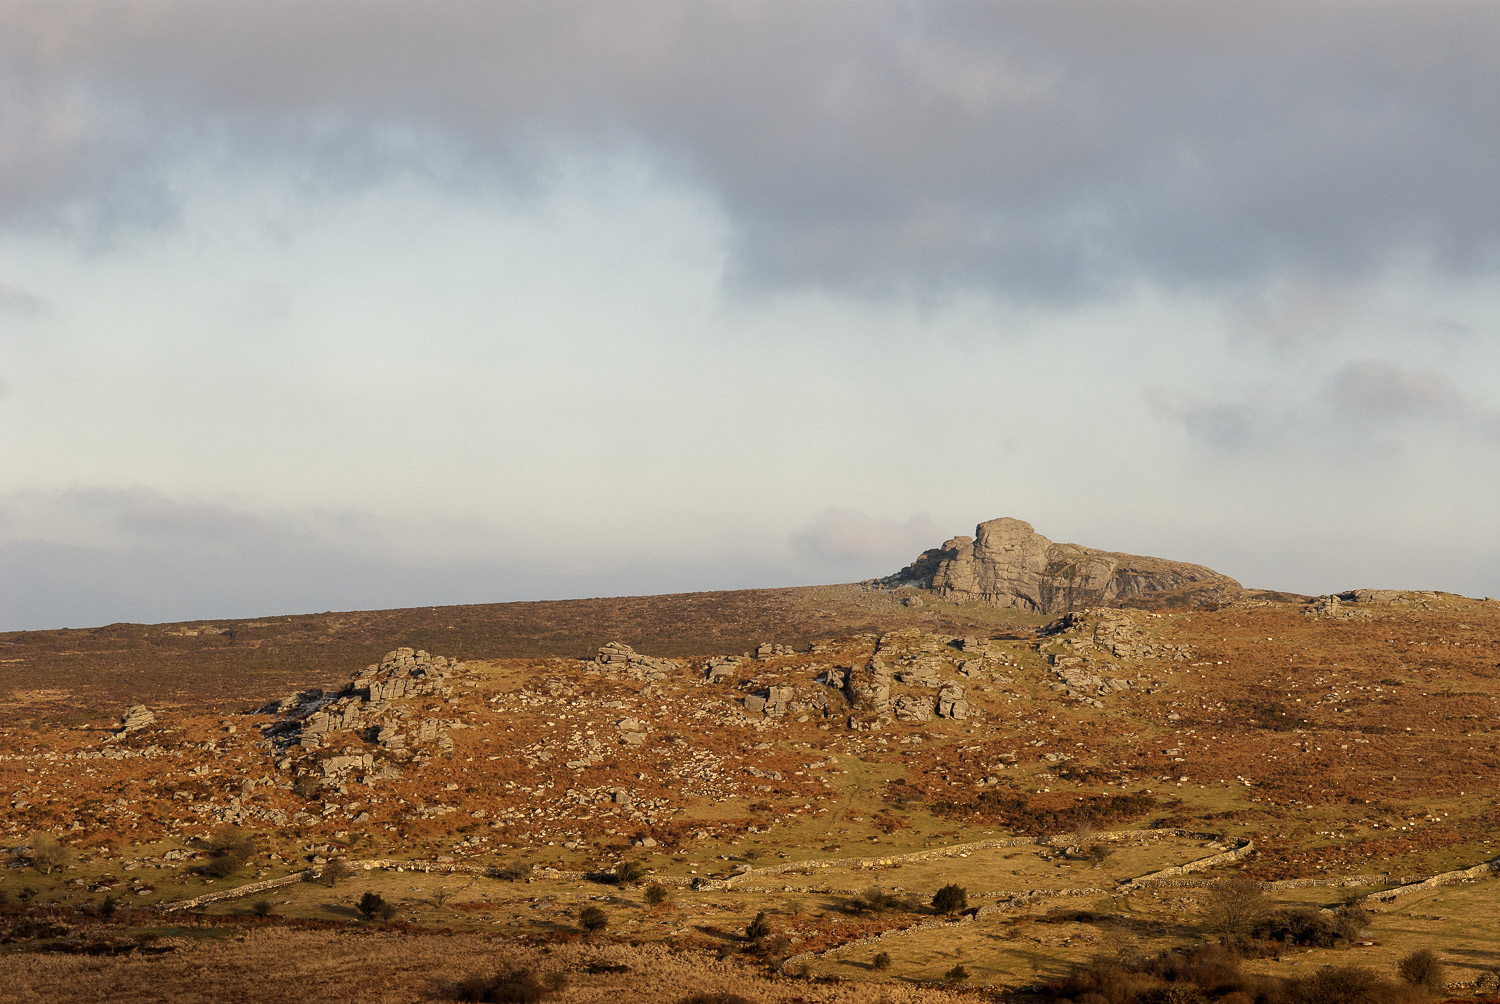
[1008,564]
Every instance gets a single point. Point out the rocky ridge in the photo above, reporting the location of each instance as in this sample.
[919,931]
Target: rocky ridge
[1008,564]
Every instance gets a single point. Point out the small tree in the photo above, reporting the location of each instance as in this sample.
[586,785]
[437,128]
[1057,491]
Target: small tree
[592,919]
[47,853]
[1422,968]
[261,908]
[657,894]
[950,899]
[1233,909]
[335,870]
[1098,853]
[108,907]
[370,905]
[882,961]
[759,928]
[229,851]
[956,975]
[629,872]
[441,895]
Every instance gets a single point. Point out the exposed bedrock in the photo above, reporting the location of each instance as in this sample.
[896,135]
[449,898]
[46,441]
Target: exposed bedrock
[1008,564]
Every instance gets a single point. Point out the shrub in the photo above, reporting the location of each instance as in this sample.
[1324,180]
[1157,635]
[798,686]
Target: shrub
[1098,853]
[441,895]
[261,908]
[335,870]
[1233,910]
[592,919]
[950,899]
[511,986]
[657,894]
[108,907]
[229,851]
[1177,993]
[513,872]
[881,962]
[956,975]
[1422,968]
[758,928]
[371,904]
[48,854]
[629,872]
[1345,985]
[875,901]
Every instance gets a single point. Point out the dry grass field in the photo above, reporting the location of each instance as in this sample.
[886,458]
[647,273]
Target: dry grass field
[1327,756]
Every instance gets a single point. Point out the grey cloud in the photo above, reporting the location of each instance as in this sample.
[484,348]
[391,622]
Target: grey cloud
[1225,426]
[1379,389]
[1383,391]
[19,302]
[1029,148]
[1362,404]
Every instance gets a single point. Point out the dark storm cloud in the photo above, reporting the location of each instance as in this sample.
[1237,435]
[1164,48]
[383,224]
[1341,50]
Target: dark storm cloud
[1035,149]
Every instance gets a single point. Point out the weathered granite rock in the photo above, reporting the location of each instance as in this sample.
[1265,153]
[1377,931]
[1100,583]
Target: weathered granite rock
[868,687]
[136,717]
[617,656]
[909,708]
[951,703]
[1008,564]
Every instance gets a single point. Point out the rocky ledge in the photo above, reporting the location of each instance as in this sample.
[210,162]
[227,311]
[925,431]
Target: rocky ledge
[1008,564]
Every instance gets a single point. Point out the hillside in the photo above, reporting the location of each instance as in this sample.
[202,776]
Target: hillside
[494,770]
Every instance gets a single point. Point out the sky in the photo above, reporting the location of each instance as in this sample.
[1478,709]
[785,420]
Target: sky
[333,305]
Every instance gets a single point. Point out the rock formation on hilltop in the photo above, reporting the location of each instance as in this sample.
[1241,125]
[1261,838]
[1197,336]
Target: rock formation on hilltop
[1008,564]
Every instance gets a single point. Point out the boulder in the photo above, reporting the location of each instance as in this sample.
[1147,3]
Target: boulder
[913,709]
[951,703]
[136,717]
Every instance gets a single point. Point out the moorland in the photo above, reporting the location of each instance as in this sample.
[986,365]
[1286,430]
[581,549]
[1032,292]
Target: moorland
[866,792]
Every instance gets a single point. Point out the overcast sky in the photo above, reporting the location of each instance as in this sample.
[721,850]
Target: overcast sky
[331,305]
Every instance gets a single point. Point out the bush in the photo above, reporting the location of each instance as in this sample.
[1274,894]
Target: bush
[108,907]
[335,870]
[513,872]
[881,962]
[876,901]
[950,899]
[48,854]
[629,872]
[511,986]
[1233,910]
[956,975]
[657,894]
[261,908]
[1173,977]
[371,905]
[228,852]
[1345,985]
[1098,853]
[758,928]
[1422,968]
[592,919]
